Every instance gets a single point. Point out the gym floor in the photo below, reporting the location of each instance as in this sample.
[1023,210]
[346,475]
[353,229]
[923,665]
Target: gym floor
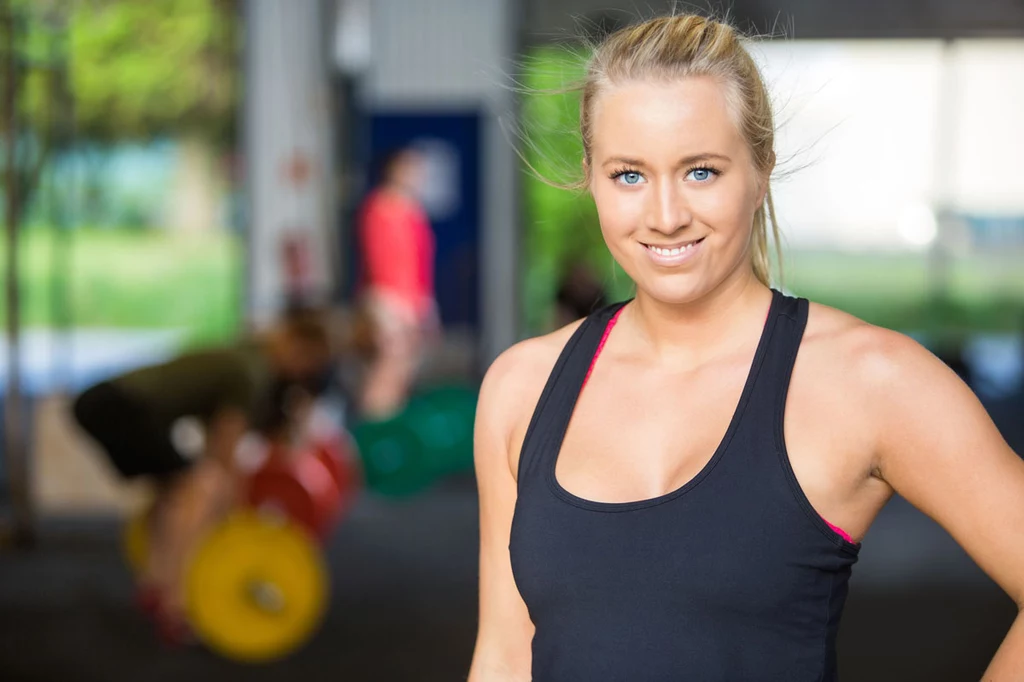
[404,605]
[404,602]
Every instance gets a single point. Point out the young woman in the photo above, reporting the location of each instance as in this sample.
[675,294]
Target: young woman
[676,487]
[397,281]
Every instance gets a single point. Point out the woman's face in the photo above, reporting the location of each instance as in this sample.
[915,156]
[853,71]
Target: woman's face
[674,185]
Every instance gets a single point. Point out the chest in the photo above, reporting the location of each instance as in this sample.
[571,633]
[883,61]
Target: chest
[637,433]
[691,556]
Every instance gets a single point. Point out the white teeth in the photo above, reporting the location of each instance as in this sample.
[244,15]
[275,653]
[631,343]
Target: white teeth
[670,252]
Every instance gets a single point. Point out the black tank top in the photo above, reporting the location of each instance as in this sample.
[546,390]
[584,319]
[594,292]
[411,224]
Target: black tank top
[731,578]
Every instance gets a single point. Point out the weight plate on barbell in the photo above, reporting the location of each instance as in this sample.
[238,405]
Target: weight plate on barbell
[256,588]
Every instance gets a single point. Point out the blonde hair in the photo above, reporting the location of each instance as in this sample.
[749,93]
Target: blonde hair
[685,46]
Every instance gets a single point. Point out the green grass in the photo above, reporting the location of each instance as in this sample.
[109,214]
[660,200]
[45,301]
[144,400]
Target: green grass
[122,278]
[983,292]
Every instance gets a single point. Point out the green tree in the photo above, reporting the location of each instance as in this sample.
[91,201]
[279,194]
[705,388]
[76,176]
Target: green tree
[139,69]
[100,71]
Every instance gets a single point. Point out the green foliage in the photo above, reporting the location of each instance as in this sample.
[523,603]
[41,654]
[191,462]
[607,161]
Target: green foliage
[144,68]
[93,72]
[37,41]
[561,224]
[128,69]
[90,73]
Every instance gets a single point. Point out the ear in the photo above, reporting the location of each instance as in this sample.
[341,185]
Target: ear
[585,165]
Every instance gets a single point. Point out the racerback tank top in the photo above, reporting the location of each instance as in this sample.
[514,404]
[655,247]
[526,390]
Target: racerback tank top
[731,578]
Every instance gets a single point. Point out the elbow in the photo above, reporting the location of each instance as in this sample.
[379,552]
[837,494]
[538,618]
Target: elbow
[1018,598]
[493,666]
[479,673]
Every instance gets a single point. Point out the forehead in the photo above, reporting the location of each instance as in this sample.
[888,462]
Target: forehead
[654,118]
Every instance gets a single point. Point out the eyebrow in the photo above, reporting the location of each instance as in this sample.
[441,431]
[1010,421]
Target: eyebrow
[686,161]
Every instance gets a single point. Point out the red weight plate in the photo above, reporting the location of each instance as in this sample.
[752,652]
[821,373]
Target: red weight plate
[339,458]
[300,487]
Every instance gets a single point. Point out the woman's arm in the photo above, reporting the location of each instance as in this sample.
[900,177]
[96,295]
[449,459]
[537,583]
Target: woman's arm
[505,631]
[939,449]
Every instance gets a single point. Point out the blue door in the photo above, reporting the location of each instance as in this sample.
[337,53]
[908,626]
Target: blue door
[451,143]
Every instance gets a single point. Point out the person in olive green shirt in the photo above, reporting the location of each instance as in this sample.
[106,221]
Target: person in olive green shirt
[179,423]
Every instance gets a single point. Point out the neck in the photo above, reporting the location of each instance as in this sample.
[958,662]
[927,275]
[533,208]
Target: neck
[690,334]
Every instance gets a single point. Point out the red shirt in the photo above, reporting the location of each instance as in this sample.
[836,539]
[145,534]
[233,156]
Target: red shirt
[397,249]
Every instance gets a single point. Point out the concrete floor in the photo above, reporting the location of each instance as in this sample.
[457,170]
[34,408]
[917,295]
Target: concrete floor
[404,605]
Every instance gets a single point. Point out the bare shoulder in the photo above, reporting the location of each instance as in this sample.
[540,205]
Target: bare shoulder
[880,383]
[870,385]
[518,369]
[513,384]
[866,358]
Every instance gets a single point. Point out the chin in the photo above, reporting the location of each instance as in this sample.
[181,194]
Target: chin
[673,290]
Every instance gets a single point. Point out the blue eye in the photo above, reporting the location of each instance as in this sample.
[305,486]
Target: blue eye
[630,178]
[702,174]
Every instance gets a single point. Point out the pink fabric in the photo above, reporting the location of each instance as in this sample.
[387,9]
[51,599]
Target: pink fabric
[604,338]
[842,533]
[600,346]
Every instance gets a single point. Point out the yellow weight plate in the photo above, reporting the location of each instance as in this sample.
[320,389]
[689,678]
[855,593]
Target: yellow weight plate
[256,588]
[135,540]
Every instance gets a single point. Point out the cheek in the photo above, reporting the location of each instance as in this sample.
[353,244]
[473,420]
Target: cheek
[618,212]
[727,208]
[722,210]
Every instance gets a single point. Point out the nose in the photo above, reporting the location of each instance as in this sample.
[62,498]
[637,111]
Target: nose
[668,210]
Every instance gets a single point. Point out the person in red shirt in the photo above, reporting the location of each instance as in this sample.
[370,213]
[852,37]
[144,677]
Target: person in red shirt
[397,280]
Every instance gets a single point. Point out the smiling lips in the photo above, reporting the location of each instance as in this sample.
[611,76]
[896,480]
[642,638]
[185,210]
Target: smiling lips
[673,254]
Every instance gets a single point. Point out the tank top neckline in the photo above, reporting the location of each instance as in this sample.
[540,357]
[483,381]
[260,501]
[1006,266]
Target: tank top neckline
[716,457]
